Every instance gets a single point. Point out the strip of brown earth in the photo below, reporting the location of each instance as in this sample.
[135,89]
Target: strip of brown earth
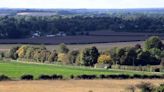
[72,85]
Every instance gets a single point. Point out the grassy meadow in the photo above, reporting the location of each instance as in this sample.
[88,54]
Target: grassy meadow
[17,69]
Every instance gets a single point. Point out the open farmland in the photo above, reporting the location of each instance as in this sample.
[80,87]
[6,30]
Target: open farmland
[72,40]
[72,85]
[100,46]
[15,70]
[93,37]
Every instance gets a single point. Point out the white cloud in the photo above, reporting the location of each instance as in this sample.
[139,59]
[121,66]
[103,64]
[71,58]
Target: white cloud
[81,3]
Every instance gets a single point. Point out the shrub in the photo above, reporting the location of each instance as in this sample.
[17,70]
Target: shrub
[27,77]
[156,69]
[1,55]
[112,76]
[145,77]
[84,76]
[154,76]
[123,76]
[45,77]
[56,77]
[130,88]
[4,78]
[72,76]
[160,88]
[102,76]
[145,87]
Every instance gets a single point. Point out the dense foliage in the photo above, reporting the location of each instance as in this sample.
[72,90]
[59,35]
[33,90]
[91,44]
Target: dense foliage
[27,26]
[151,54]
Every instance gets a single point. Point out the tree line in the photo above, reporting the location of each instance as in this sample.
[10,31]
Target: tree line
[151,53]
[26,26]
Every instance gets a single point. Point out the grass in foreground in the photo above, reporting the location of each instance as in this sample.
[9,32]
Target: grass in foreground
[17,69]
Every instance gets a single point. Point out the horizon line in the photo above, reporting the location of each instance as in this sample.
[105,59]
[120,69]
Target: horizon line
[84,8]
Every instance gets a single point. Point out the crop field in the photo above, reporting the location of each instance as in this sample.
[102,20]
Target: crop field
[17,69]
[93,37]
[103,40]
[100,46]
[73,85]
[72,40]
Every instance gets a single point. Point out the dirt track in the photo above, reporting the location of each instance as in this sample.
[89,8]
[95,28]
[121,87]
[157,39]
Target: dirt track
[71,85]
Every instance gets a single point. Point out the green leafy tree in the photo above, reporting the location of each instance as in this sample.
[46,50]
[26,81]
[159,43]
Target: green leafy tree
[13,52]
[120,52]
[90,56]
[143,58]
[73,56]
[114,56]
[53,57]
[63,48]
[155,52]
[153,42]
[131,56]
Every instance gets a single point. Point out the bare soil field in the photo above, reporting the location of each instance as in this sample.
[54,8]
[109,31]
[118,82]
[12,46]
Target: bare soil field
[100,36]
[72,85]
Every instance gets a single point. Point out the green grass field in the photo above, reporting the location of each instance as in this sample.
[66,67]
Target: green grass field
[17,69]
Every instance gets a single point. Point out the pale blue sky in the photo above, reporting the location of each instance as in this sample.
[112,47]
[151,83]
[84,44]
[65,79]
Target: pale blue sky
[81,3]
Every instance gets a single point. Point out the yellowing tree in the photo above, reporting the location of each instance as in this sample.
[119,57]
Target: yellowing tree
[105,59]
[22,51]
[63,58]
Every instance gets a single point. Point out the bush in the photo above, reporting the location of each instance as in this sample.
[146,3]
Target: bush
[112,76]
[86,77]
[102,76]
[45,77]
[160,88]
[130,89]
[27,77]
[72,76]
[145,87]
[145,77]
[56,77]
[157,70]
[123,76]
[4,78]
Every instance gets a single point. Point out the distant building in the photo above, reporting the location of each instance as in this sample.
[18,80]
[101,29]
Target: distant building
[50,35]
[36,34]
[61,34]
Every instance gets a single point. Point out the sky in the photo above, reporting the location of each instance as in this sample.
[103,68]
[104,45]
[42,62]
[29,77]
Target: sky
[90,4]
